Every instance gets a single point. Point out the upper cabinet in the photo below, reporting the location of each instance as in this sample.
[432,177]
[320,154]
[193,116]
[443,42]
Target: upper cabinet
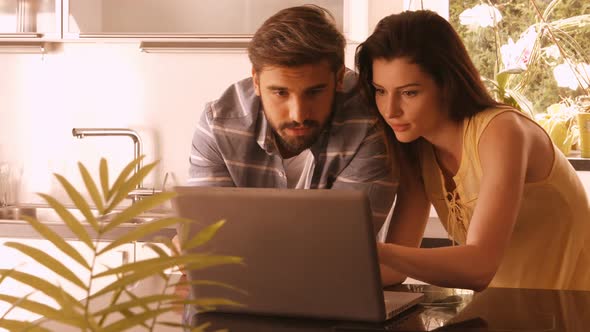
[176,18]
[30,19]
[167,24]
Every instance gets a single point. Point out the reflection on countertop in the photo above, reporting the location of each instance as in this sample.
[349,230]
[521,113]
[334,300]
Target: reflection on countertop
[495,309]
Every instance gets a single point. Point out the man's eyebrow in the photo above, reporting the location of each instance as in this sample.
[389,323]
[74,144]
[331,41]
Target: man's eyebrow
[317,86]
[276,87]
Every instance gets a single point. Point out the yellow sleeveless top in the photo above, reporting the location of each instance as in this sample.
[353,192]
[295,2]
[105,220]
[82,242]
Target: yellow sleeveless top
[550,244]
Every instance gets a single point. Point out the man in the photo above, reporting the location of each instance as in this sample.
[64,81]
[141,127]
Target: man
[297,122]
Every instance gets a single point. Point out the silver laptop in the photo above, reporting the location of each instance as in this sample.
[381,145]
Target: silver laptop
[307,253]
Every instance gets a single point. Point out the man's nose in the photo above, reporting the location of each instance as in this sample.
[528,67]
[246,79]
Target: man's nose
[298,110]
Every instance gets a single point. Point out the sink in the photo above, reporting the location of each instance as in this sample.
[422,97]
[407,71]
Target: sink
[12,222]
[47,214]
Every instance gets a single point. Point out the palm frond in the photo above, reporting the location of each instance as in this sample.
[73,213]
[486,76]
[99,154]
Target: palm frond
[68,218]
[136,209]
[57,240]
[203,236]
[142,231]
[78,200]
[45,311]
[91,188]
[137,271]
[122,177]
[104,178]
[16,325]
[49,289]
[48,261]
[121,192]
[126,309]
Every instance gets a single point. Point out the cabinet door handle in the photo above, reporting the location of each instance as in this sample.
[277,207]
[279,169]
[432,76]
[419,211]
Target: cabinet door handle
[124,257]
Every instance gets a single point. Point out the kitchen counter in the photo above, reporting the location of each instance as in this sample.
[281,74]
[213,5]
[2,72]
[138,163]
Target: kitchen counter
[579,163]
[12,224]
[495,309]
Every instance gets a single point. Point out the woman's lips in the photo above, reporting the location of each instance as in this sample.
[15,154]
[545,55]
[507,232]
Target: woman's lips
[399,127]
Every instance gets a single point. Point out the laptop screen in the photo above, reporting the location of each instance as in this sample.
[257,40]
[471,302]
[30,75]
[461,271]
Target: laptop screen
[306,253]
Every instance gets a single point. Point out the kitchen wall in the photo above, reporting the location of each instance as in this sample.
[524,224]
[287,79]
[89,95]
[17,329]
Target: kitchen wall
[108,84]
[42,97]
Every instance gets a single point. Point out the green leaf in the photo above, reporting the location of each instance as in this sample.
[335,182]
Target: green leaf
[136,209]
[14,305]
[123,176]
[160,252]
[69,219]
[502,77]
[78,201]
[55,292]
[127,323]
[168,242]
[48,261]
[522,101]
[104,178]
[45,311]
[6,274]
[17,325]
[114,299]
[91,187]
[203,236]
[142,269]
[196,260]
[125,188]
[57,241]
[137,302]
[143,231]
[156,249]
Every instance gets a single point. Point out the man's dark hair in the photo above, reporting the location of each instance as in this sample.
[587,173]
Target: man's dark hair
[297,36]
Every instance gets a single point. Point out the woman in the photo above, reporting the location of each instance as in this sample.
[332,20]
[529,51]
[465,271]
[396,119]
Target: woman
[508,198]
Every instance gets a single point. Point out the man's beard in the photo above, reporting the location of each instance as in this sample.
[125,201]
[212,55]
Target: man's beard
[296,144]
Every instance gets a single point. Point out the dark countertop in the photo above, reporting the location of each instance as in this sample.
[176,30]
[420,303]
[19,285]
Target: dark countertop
[495,309]
[579,163]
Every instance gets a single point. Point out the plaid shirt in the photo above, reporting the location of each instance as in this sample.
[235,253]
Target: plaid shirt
[234,145]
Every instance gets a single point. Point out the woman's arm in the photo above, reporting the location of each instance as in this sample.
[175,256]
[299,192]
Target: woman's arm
[410,214]
[503,151]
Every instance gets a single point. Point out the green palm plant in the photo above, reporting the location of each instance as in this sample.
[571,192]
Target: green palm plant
[522,75]
[126,310]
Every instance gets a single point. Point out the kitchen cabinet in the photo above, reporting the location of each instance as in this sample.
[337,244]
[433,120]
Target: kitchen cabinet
[177,25]
[26,19]
[175,18]
[25,25]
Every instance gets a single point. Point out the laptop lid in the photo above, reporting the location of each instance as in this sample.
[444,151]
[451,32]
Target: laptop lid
[309,253]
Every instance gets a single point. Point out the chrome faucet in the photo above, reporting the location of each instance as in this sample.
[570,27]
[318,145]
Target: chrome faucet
[139,191]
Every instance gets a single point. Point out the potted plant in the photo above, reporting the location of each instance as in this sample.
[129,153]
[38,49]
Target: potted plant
[545,73]
[125,309]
